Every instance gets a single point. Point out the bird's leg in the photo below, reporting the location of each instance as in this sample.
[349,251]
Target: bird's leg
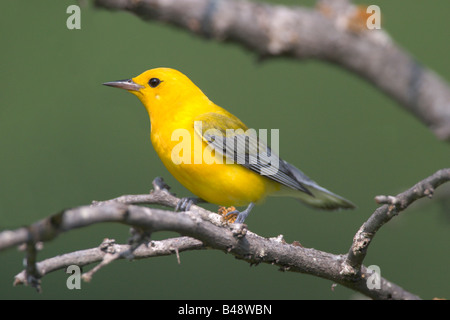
[185,203]
[242,215]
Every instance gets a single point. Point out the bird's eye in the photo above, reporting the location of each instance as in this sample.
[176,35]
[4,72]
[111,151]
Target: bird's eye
[154,82]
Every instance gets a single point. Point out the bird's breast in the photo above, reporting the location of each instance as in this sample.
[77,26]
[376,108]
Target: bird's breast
[187,158]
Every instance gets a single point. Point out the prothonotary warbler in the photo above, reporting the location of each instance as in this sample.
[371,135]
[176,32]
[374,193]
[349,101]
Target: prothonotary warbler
[238,176]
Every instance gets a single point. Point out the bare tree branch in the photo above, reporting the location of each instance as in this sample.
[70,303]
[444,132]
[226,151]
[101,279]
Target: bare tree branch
[234,239]
[204,229]
[393,206]
[335,32]
[108,247]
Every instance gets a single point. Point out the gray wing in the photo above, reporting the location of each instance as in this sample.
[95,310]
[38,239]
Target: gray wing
[247,149]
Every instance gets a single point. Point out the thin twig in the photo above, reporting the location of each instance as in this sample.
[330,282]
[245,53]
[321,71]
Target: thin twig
[33,276]
[88,256]
[392,207]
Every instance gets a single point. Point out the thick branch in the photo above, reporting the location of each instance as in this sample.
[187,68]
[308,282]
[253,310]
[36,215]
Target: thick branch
[234,239]
[205,229]
[335,32]
[202,225]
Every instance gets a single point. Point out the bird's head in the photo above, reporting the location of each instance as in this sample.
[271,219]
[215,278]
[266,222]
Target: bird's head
[160,89]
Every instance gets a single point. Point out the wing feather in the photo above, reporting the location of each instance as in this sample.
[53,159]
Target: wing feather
[231,139]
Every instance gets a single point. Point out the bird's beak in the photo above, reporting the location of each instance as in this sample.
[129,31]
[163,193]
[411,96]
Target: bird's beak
[127,84]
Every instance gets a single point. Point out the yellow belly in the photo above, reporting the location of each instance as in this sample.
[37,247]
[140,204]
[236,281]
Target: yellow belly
[218,183]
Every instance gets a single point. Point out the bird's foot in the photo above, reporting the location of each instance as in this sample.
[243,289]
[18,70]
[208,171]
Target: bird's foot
[241,215]
[230,218]
[185,203]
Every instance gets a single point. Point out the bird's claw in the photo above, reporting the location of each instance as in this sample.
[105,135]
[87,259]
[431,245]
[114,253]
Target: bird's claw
[185,203]
[241,215]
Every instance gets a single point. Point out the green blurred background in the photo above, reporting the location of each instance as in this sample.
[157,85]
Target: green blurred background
[66,140]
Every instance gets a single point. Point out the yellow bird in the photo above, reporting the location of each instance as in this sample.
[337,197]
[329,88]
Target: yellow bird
[177,106]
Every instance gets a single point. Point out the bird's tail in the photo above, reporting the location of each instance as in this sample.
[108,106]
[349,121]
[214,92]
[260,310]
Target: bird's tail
[319,197]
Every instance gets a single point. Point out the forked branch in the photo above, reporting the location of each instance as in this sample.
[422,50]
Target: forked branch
[202,229]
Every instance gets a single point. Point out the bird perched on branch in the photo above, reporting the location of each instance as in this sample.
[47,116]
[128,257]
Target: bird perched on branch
[218,159]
